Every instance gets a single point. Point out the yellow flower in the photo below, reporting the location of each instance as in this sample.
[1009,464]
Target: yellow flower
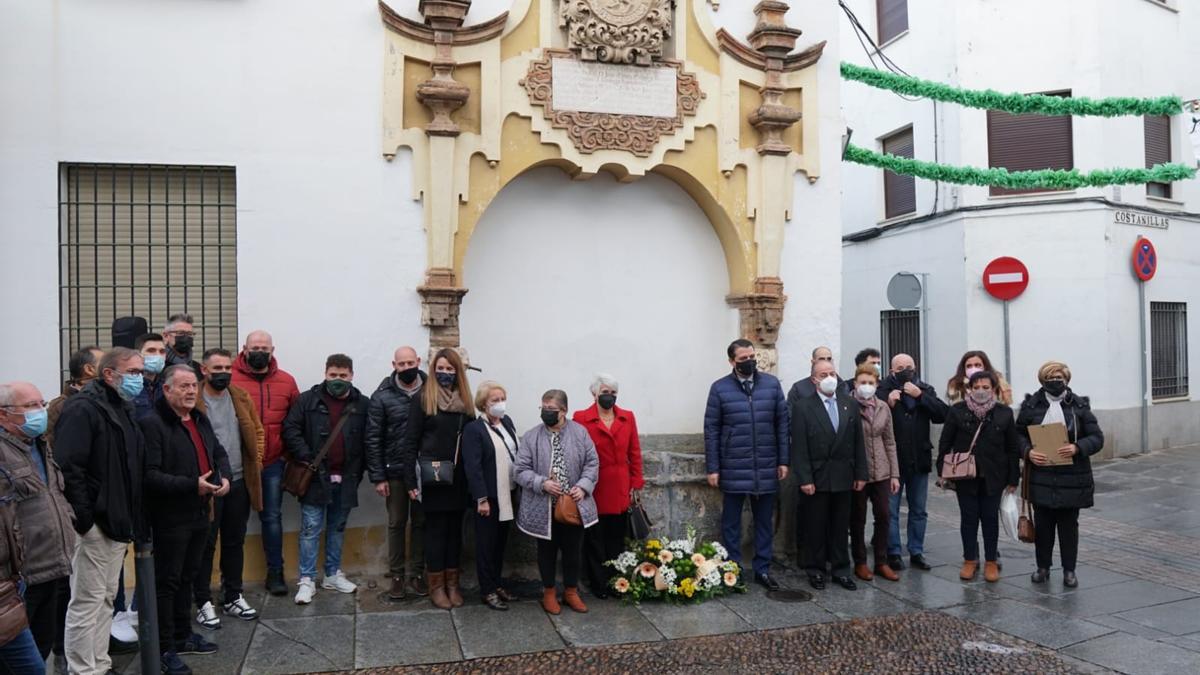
[665,556]
[622,585]
[697,559]
[730,579]
[688,587]
[647,570]
[653,545]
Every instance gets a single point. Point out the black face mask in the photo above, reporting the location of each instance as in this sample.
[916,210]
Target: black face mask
[607,401]
[184,344]
[550,418]
[220,381]
[746,368]
[408,375]
[1055,387]
[447,380]
[258,360]
[905,375]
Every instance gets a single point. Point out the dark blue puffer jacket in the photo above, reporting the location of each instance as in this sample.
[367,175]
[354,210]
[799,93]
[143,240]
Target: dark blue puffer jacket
[746,437]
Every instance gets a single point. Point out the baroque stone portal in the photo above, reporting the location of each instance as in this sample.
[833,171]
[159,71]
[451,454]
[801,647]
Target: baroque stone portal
[617,31]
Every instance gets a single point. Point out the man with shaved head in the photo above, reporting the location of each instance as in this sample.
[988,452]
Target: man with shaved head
[915,406]
[273,391]
[387,418]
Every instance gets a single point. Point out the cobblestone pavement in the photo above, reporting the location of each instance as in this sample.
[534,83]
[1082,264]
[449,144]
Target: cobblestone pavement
[1136,610]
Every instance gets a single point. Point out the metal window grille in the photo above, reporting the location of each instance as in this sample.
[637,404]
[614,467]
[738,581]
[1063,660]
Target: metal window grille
[150,241]
[900,333]
[1168,350]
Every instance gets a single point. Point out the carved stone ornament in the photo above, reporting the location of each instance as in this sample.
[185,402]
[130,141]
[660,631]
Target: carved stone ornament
[616,31]
[592,131]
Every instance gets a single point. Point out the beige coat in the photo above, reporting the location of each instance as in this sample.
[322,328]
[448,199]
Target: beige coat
[880,442]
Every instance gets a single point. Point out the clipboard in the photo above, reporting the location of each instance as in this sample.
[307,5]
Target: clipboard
[1047,439]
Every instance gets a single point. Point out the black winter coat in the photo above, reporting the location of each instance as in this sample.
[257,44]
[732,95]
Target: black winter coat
[435,437]
[387,418]
[1069,486]
[914,449]
[172,472]
[102,454]
[831,459]
[479,456]
[307,427]
[997,451]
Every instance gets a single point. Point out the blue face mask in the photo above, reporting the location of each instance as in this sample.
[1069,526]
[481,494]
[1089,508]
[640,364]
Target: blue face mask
[131,386]
[35,423]
[154,364]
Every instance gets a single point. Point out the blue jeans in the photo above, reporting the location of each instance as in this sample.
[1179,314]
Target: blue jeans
[312,519]
[916,489]
[271,514]
[763,508]
[20,656]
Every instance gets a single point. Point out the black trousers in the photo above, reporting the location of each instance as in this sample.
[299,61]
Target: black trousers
[491,536]
[42,603]
[602,542]
[569,540]
[230,515]
[64,599]
[878,494]
[978,510]
[177,553]
[1045,522]
[826,532]
[443,540]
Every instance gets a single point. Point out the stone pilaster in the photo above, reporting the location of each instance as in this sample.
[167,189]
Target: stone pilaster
[773,39]
[441,299]
[442,94]
[760,314]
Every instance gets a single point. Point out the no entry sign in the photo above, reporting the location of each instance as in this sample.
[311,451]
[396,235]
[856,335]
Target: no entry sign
[1005,278]
[1145,259]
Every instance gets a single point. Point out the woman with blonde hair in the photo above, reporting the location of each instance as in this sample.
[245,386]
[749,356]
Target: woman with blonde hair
[431,461]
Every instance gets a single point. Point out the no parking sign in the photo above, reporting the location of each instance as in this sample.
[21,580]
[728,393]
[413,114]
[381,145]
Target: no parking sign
[1145,259]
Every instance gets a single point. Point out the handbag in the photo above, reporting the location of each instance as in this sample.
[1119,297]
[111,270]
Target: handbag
[639,523]
[1025,529]
[566,511]
[961,465]
[297,475]
[440,471]
[13,617]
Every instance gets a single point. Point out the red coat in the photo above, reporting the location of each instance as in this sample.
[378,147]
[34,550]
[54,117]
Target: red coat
[273,394]
[620,458]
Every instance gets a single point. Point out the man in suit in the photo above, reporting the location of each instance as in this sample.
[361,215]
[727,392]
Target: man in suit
[829,458]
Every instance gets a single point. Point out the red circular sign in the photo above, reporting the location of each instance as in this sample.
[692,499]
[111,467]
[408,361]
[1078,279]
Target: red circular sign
[1145,259]
[1005,278]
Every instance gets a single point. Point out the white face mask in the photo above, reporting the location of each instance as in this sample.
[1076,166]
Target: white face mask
[866,391]
[982,396]
[971,370]
[828,385]
[498,408]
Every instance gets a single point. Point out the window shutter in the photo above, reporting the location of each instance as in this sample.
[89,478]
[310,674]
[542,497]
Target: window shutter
[1158,150]
[899,192]
[1029,142]
[891,17]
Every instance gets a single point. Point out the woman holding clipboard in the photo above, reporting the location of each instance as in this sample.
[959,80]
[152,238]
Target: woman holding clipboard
[1060,478]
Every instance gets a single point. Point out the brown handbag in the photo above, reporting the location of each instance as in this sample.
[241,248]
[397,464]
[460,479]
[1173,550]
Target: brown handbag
[1025,529]
[297,475]
[566,511]
[13,617]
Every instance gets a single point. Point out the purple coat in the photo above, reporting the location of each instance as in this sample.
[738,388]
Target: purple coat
[533,468]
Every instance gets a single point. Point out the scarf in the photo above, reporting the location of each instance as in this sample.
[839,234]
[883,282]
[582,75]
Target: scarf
[1055,412]
[449,401]
[866,408]
[980,409]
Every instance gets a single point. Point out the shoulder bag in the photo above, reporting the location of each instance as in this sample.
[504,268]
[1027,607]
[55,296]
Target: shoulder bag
[961,465]
[639,522]
[1025,529]
[297,475]
[13,616]
[440,471]
[566,511]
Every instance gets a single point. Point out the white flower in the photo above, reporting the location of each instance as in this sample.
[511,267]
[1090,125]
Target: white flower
[625,562]
[668,574]
[722,554]
[684,545]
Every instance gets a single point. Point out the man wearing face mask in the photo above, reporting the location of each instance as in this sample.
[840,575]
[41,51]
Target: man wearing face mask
[154,359]
[870,355]
[746,452]
[236,425]
[387,419]
[82,368]
[101,450]
[805,387]
[915,406]
[179,334]
[273,392]
[830,460]
[42,509]
[308,430]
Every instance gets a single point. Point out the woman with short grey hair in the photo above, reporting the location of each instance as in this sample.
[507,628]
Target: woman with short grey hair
[557,460]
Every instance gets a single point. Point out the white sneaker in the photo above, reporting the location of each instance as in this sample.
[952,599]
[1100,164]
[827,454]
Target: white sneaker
[207,616]
[338,582]
[305,591]
[123,628]
[241,609]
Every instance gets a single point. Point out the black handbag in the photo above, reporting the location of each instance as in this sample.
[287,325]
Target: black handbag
[639,523]
[440,472]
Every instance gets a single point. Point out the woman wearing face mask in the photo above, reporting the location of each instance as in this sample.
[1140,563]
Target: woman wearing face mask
[978,426]
[883,477]
[557,460]
[614,432]
[433,432]
[973,362]
[489,453]
[1059,491]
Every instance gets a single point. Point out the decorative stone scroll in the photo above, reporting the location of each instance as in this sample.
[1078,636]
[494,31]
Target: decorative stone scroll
[616,31]
[596,128]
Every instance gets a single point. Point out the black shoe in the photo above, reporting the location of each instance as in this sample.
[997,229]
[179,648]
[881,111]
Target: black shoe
[895,562]
[275,583]
[493,601]
[506,596]
[195,644]
[1069,579]
[918,562]
[116,646]
[767,581]
[816,581]
[171,664]
[846,583]
[1040,576]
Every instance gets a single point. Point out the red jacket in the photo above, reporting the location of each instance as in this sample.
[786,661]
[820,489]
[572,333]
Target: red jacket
[620,458]
[273,393]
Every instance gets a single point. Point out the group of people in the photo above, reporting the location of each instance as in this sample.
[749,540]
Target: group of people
[146,445]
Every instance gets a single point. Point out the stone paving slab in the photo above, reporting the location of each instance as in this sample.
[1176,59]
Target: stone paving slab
[1135,656]
[680,621]
[866,601]
[301,645]
[1036,625]
[405,638]
[1112,599]
[1177,618]
[324,603]
[761,611]
[524,627]
[927,590]
[607,622]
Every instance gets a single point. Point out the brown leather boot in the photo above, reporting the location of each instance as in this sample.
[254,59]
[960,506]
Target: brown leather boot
[571,597]
[452,589]
[437,590]
[887,572]
[550,601]
[863,572]
[969,568]
[991,572]
[397,591]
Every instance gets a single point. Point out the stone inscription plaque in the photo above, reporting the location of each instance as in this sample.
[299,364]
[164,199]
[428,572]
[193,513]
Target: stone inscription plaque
[614,89]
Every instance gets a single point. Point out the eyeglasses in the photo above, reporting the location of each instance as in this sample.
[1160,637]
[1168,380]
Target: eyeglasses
[182,333]
[32,405]
[186,386]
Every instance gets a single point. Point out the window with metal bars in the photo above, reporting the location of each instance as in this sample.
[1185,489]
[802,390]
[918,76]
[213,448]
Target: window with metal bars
[1168,350]
[900,333]
[149,241]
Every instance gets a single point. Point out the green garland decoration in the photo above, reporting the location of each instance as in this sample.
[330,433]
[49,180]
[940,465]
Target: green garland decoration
[987,99]
[1053,179]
